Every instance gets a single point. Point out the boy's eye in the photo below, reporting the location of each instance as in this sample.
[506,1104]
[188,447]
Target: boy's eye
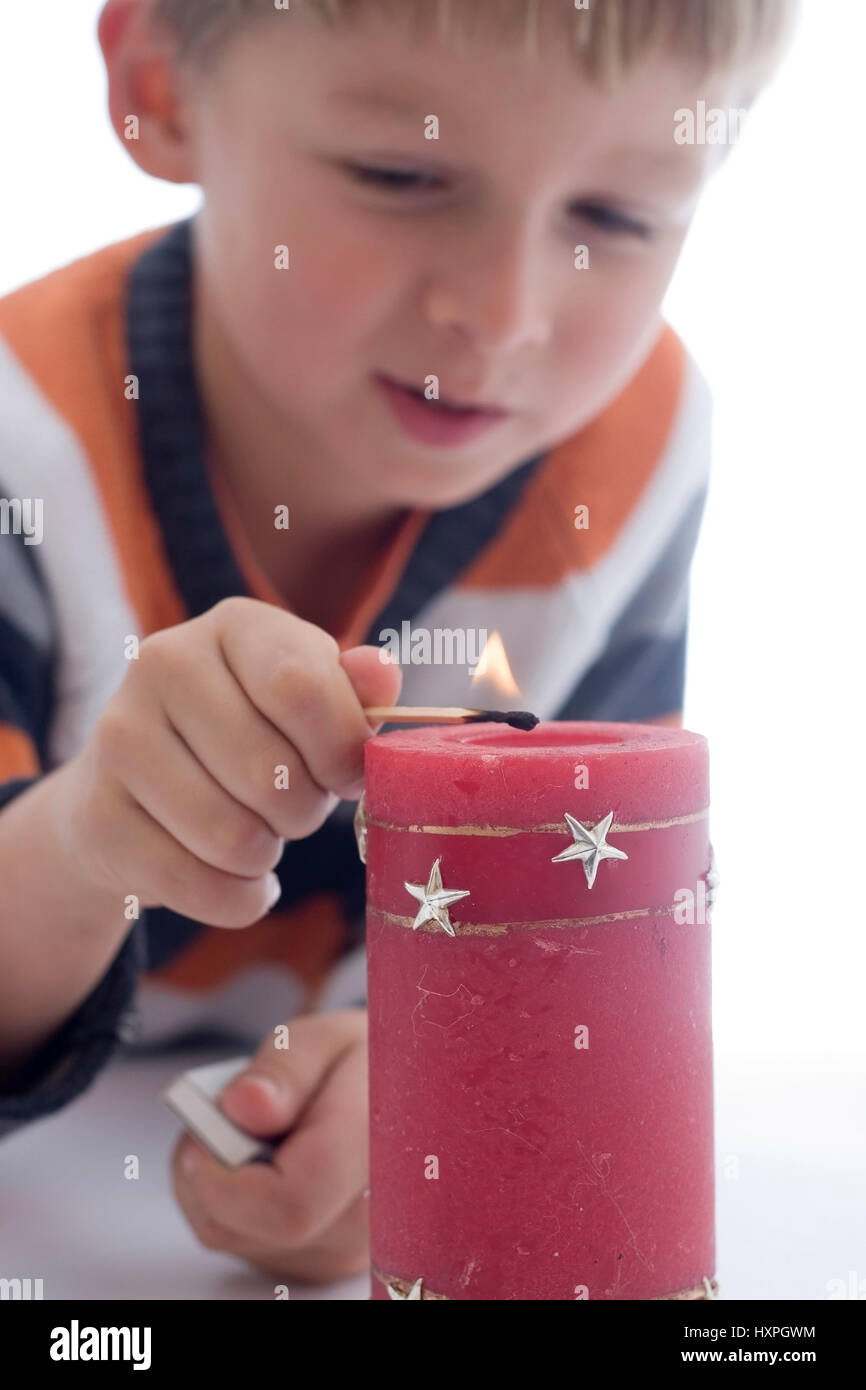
[608,220]
[417,180]
[395,180]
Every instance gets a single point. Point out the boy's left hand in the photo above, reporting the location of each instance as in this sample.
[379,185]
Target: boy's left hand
[304,1215]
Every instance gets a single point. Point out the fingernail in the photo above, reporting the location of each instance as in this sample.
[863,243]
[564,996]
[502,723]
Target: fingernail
[274,890]
[266,1084]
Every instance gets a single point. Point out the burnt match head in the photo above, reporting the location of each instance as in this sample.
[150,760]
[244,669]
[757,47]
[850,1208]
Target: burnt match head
[515,718]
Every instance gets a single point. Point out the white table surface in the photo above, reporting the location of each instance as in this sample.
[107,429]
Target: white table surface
[791,1219]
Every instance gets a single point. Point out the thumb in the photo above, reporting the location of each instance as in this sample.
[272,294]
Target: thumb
[259,1101]
[374,674]
[268,1095]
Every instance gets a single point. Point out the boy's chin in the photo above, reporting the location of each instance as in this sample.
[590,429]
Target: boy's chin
[429,479]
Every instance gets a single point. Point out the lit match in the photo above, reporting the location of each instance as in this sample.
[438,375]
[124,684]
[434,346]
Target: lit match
[448,714]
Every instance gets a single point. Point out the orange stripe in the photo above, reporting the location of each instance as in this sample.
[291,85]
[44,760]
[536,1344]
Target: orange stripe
[381,581]
[17,754]
[667,721]
[306,939]
[605,466]
[68,331]
[254,577]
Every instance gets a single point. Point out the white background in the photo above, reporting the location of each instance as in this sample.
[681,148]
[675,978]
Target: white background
[770,297]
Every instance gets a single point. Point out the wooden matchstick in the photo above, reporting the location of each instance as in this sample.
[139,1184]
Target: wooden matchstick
[450,714]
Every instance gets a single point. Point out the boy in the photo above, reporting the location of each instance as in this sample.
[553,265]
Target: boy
[406,364]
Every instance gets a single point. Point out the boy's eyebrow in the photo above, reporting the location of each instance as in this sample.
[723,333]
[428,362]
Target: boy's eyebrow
[379,102]
[404,105]
[664,158]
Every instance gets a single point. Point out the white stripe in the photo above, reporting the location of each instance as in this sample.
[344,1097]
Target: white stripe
[252,1001]
[346,981]
[249,1004]
[41,457]
[682,474]
[553,636]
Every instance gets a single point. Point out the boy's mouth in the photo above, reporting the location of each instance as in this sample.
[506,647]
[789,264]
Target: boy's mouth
[441,422]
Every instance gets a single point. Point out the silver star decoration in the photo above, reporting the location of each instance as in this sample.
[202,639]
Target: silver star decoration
[590,846]
[435,900]
[413,1296]
[360,824]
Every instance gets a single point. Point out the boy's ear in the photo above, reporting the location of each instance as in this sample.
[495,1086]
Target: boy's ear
[146,108]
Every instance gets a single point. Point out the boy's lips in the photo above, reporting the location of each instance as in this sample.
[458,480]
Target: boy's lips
[440,422]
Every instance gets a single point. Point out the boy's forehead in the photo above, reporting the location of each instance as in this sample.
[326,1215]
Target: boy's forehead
[536,118]
[392,84]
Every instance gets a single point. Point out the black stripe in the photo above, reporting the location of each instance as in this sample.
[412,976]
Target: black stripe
[450,542]
[638,681]
[9,790]
[70,1060]
[26,685]
[171,424]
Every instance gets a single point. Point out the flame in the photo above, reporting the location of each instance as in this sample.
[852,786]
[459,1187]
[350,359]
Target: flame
[494,668]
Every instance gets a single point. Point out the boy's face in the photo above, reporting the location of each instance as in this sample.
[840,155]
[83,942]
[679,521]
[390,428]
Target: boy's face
[459,263]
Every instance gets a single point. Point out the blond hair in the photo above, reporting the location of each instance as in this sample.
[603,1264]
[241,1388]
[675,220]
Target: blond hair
[607,37]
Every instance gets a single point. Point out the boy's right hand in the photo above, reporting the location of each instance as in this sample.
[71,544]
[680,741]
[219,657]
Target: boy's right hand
[175,797]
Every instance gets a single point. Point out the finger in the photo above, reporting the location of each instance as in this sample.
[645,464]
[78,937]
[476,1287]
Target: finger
[175,878]
[326,1160]
[173,787]
[272,1092]
[186,1159]
[376,678]
[316,1173]
[257,765]
[341,1251]
[375,675]
[291,672]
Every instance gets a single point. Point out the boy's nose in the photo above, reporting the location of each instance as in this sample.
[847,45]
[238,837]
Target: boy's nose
[500,301]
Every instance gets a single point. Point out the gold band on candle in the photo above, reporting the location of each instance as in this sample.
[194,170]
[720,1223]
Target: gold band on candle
[503,928]
[708,1288]
[549,828]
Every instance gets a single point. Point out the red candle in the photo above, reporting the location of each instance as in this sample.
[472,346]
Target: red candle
[539,1006]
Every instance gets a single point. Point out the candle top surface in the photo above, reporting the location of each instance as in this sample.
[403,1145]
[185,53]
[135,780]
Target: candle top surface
[548,737]
[486,774]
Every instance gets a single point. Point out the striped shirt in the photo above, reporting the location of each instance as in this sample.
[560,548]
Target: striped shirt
[113,525]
